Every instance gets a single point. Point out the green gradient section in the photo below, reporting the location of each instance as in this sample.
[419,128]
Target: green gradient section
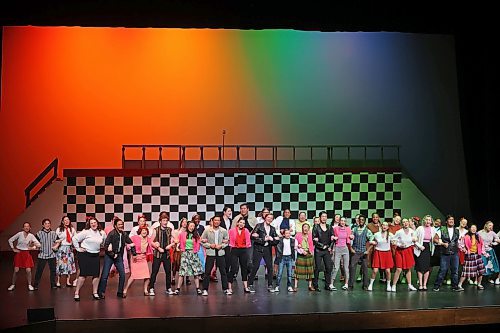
[414,202]
[288,68]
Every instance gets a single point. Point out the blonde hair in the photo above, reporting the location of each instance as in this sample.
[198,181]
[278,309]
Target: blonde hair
[425,218]
[486,225]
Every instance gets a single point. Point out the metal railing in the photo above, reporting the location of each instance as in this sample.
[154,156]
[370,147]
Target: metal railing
[253,156]
[27,192]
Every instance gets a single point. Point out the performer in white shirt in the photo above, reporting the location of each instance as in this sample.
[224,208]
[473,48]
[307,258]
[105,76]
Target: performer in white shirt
[88,246]
[404,240]
[64,256]
[141,221]
[382,255]
[26,241]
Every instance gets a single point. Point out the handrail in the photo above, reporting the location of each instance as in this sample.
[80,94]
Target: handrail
[34,183]
[328,151]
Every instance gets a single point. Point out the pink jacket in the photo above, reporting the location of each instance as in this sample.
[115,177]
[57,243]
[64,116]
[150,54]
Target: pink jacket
[349,232]
[137,241]
[233,234]
[468,244]
[298,241]
[182,242]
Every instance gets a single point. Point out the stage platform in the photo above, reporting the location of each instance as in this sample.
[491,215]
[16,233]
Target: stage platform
[303,311]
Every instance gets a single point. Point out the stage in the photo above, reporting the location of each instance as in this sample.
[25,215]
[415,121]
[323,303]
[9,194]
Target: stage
[278,312]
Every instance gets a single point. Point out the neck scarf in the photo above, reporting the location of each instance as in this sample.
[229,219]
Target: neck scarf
[68,235]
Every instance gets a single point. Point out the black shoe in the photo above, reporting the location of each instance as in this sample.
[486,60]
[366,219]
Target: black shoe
[317,289]
[256,278]
[121,295]
[101,296]
[35,287]
[77,298]
[96,297]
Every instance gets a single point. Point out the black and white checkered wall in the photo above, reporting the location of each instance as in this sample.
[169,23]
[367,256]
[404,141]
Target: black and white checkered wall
[182,195]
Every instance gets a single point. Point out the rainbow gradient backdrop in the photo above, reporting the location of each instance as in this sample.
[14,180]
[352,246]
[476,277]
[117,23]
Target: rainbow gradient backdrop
[80,93]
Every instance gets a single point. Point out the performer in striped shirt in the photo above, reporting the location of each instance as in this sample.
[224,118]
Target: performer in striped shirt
[47,237]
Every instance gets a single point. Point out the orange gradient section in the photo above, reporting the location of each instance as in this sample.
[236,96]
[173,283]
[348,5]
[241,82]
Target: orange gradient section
[80,93]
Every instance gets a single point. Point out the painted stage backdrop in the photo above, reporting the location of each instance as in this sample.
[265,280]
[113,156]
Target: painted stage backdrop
[182,195]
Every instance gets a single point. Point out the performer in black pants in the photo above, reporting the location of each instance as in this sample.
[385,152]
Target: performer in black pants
[47,238]
[239,240]
[215,239]
[162,242]
[226,224]
[250,223]
[265,237]
[322,239]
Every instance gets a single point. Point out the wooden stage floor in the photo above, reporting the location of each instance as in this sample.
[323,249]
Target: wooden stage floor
[277,312]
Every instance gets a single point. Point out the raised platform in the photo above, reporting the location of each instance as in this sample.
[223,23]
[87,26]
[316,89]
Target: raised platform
[303,311]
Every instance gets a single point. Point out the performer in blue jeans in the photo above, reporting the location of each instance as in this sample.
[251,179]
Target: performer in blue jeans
[285,255]
[114,245]
[447,236]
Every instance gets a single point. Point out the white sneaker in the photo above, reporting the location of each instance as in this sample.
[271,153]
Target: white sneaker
[393,288]
[389,288]
[411,287]
[275,290]
[169,291]
[491,281]
[228,292]
[290,289]
[151,292]
[30,287]
[12,287]
[497,281]
[204,293]
[370,288]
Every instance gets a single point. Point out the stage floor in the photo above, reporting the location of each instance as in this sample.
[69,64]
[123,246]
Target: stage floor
[189,305]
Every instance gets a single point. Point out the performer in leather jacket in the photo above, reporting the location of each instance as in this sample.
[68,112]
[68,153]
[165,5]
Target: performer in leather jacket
[322,238]
[264,237]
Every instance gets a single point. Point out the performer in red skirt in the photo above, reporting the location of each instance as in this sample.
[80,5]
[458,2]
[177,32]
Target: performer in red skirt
[26,241]
[382,255]
[404,240]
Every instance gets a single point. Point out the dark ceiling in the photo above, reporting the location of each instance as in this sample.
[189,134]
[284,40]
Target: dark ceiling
[301,15]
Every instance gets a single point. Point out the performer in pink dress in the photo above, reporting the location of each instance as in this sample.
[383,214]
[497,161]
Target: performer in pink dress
[139,264]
